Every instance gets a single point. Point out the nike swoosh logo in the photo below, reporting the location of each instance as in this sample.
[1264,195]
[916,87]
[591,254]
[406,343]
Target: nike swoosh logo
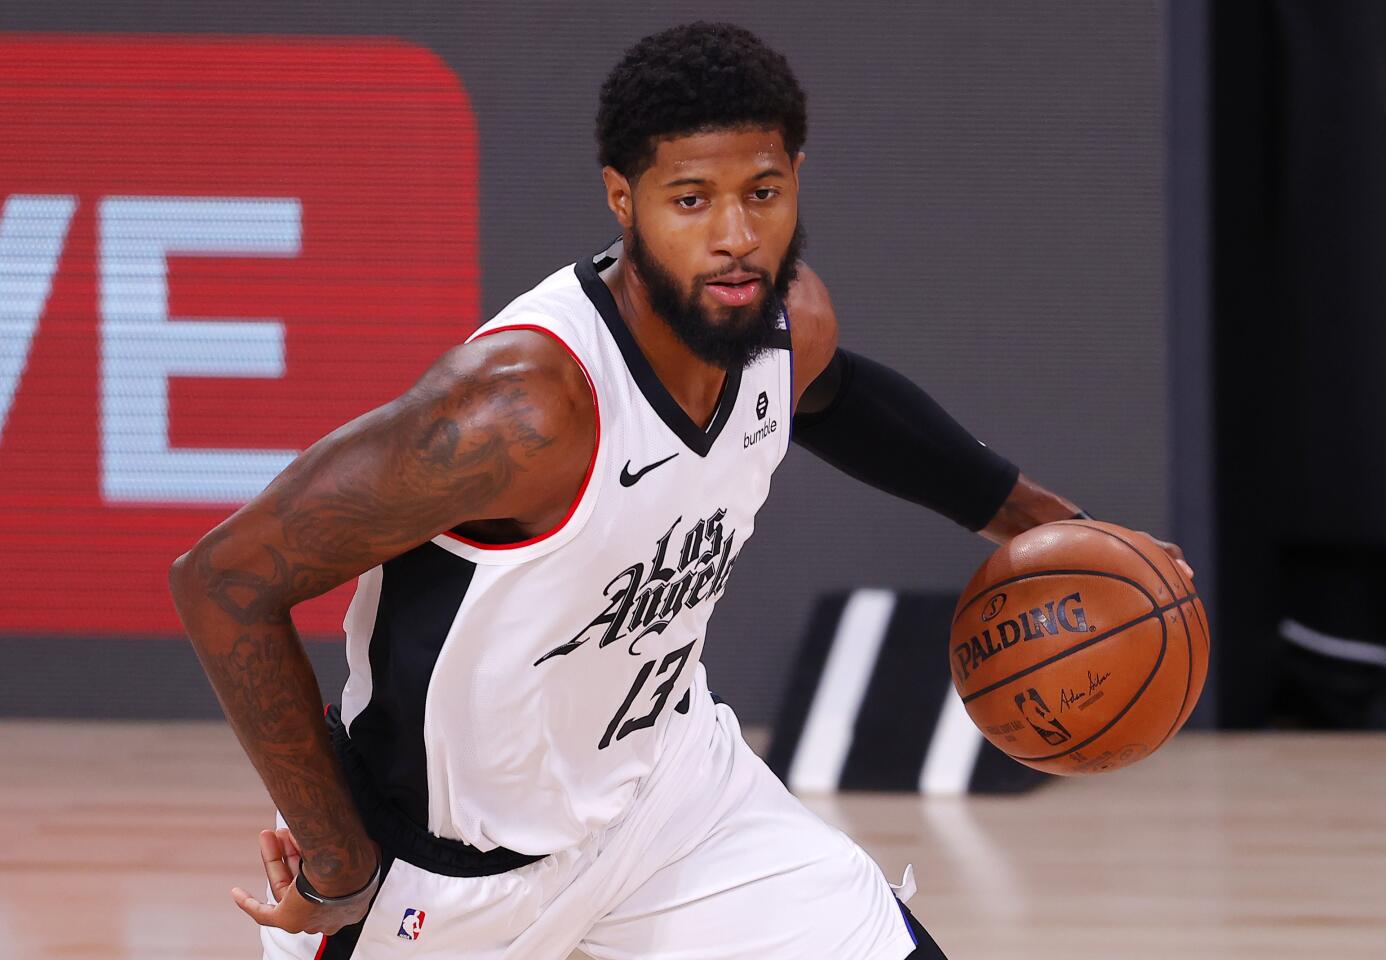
[628,479]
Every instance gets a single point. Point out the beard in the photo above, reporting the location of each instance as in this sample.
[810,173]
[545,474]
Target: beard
[744,334]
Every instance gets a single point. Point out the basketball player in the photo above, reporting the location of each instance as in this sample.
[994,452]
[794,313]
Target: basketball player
[527,759]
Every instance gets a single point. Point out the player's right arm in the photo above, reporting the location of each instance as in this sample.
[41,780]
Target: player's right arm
[501,428]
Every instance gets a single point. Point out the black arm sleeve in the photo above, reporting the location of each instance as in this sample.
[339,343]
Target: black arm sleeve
[877,426]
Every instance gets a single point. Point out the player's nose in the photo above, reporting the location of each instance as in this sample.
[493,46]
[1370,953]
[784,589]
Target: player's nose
[733,233]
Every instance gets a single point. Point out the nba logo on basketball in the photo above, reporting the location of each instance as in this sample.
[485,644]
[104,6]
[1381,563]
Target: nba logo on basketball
[412,924]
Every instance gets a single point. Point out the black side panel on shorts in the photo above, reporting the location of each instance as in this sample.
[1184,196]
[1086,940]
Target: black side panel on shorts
[924,946]
[342,944]
[420,592]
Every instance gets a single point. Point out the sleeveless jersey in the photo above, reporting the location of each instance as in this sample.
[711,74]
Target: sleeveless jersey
[516,695]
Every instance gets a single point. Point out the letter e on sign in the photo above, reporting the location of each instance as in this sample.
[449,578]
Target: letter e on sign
[213,251]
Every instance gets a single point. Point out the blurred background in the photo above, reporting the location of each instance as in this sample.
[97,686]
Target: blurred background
[1138,247]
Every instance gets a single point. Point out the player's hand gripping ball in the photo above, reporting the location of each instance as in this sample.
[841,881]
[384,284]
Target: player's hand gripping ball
[1079,647]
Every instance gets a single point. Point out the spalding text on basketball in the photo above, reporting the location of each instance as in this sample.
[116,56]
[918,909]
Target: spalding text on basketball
[1055,616]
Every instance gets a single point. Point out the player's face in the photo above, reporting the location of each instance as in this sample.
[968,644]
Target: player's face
[714,235]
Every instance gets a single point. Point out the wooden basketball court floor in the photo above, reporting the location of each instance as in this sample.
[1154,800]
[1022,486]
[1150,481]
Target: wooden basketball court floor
[120,840]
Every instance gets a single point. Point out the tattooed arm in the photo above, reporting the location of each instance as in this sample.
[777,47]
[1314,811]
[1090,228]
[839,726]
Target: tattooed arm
[500,429]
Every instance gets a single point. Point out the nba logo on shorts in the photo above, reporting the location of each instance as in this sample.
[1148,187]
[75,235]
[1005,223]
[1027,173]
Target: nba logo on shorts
[412,924]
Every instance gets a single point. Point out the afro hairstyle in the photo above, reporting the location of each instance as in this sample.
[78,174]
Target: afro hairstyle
[691,78]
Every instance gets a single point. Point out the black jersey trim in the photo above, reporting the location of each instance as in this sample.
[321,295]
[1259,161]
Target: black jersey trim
[421,591]
[399,836]
[675,418]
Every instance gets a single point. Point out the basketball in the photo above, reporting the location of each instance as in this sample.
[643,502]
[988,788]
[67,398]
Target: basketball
[1079,647]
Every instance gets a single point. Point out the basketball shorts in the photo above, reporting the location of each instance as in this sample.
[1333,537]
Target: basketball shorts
[713,860]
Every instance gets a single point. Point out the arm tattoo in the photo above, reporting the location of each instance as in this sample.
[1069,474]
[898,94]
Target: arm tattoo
[266,686]
[372,490]
[429,475]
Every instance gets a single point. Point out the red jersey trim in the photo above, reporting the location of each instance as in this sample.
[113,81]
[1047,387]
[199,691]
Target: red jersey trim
[591,464]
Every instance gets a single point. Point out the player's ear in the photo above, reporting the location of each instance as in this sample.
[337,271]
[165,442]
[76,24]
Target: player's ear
[619,196]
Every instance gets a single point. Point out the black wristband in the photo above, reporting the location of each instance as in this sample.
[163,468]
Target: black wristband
[306,891]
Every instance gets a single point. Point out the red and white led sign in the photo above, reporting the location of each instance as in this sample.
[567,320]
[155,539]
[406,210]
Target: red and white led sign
[213,250]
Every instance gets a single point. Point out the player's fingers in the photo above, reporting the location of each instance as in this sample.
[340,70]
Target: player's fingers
[286,837]
[292,855]
[272,855]
[270,847]
[1176,553]
[261,913]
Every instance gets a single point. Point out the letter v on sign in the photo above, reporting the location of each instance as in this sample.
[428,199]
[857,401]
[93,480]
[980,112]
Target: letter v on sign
[32,231]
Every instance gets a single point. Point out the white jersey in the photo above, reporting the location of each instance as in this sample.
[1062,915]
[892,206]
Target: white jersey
[517,696]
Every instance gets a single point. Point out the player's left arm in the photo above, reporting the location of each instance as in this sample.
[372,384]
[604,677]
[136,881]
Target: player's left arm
[876,425]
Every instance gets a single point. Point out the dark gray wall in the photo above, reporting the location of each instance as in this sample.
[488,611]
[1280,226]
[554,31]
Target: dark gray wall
[1192,450]
[983,194]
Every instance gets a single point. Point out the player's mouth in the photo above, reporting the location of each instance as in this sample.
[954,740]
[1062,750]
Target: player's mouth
[735,291]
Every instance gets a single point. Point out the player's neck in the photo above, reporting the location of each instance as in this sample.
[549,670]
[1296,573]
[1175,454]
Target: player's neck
[694,383]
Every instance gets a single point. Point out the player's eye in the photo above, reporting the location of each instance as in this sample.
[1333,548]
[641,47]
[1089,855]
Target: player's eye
[687,206]
[768,191]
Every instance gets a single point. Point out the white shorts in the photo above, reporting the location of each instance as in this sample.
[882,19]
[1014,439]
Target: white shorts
[714,860]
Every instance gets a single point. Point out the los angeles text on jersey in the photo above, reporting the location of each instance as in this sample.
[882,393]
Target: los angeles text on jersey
[643,599]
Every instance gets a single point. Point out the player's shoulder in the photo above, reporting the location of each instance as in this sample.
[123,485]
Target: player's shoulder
[813,323]
[527,355]
[498,374]
[511,415]
[808,292]
[537,339]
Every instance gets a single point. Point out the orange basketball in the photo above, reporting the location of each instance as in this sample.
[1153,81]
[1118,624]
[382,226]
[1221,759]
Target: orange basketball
[1079,647]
